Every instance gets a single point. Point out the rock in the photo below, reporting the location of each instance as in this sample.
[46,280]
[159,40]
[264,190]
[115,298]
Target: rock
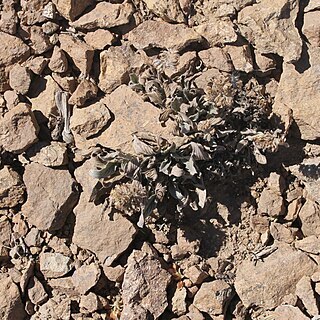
[195,274]
[116,64]
[213,297]
[167,10]
[99,39]
[40,41]
[36,64]
[18,129]
[311,27]
[312,5]
[309,244]
[241,57]
[114,273]
[105,15]
[309,215]
[160,34]
[187,240]
[287,312]
[54,265]
[51,196]
[216,58]
[11,188]
[64,285]
[8,20]
[58,307]
[179,305]
[12,50]
[91,120]
[217,31]
[280,232]
[259,223]
[67,83]
[5,238]
[292,85]
[71,9]
[89,303]
[194,313]
[58,61]
[85,91]
[265,63]
[306,294]
[79,51]
[266,284]
[95,231]
[49,155]
[144,285]
[19,79]
[270,26]
[33,238]
[11,307]
[36,292]
[31,11]
[11,98]
[271,203]
[86,277]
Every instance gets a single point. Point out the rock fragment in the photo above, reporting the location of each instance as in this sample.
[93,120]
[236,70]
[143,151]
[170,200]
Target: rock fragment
[212,297]
[5,238]
[40,41]
[71,9]
[160,34]
[51,196]
[54,265]
[85,91]
[179,305]
[311,27]
[36,292]
[266,284]
[144,284]
[167,10]
[215,58]
[8,20]
[18,129]
[58,61]
[86,277]
[309,244]
[11,188]
[309,215]
[19,79]
[287,312]
[31,12]
[105,15]
[36,64]
[114,273]
[99,39]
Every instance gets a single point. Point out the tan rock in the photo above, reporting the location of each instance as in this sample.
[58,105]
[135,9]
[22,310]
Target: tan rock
[85,91]
[5,238]
[160,34]
[105,15]
[40,41]
[167,10]
[89,303]
[19,79]
[12,50]
[91,120]
[71,9]
[213,297]
[58,61]
[264,62]
[36,292]
[58,307]
[215,58]
[67,83]
[64,285]
[309,216]
[11,98]
[266,284]
[9,19]
[36,64]
[306,294]
[18,129]
[187,240]
[4,79]
[270,26]
[54,265]
[145,283]
[309,244]
[195,274]
[280,232]
[179,305]
[194,313]
[311,27]
[217,31]
[185,63]
[51,196]
[79,51]
[312,5]
[86,277]
[271,203]
[31,11]
[259,223]
[99,39]
[11,306]
[293,87]
[241,57]
[114,273]
[11,188]
[50,27]
[287,312]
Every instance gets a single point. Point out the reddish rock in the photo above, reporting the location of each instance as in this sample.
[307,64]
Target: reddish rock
[20,79]
[71,9]
[58,61]
[99,39]
[85,91]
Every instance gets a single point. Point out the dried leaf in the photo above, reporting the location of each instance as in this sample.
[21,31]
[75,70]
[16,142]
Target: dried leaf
[141,147]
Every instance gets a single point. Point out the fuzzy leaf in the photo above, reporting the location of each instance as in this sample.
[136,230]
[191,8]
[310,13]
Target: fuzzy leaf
[141,147]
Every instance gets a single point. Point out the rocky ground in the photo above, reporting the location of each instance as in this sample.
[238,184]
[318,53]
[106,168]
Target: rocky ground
[78,77]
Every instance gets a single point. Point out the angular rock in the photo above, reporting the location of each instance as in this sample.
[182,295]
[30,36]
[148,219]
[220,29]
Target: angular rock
[11,307]
[85,91]
[94,230]
[54,265]
[306,294]
[309,215]
[114,273]
[287,312]
[271,203]
[280,232]
[18,129]
[89,121]
[217,31]
[79,51]
[167,10]
[5,238]
[70,9]
[99,39]
[241,57]
[31,12]
[36,292]
[50,27]
[270,26]
[160,34]
[58,61]
[195,274]
[8,20]
[11,98]
[63,285]
[266,284]
[40,41]
[11,188]
[19,79]
[179,305]
[212,297]
[309,244]
[90,303]
[52,195]
[294,85]
[67,83]
[86,277]
[216,58]
[145,283]
[58,307]
[105,15]
[264,62]
[312,5]
[311,27]
[36,64]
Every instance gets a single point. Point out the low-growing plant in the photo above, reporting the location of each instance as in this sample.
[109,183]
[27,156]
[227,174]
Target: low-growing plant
[220,131]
